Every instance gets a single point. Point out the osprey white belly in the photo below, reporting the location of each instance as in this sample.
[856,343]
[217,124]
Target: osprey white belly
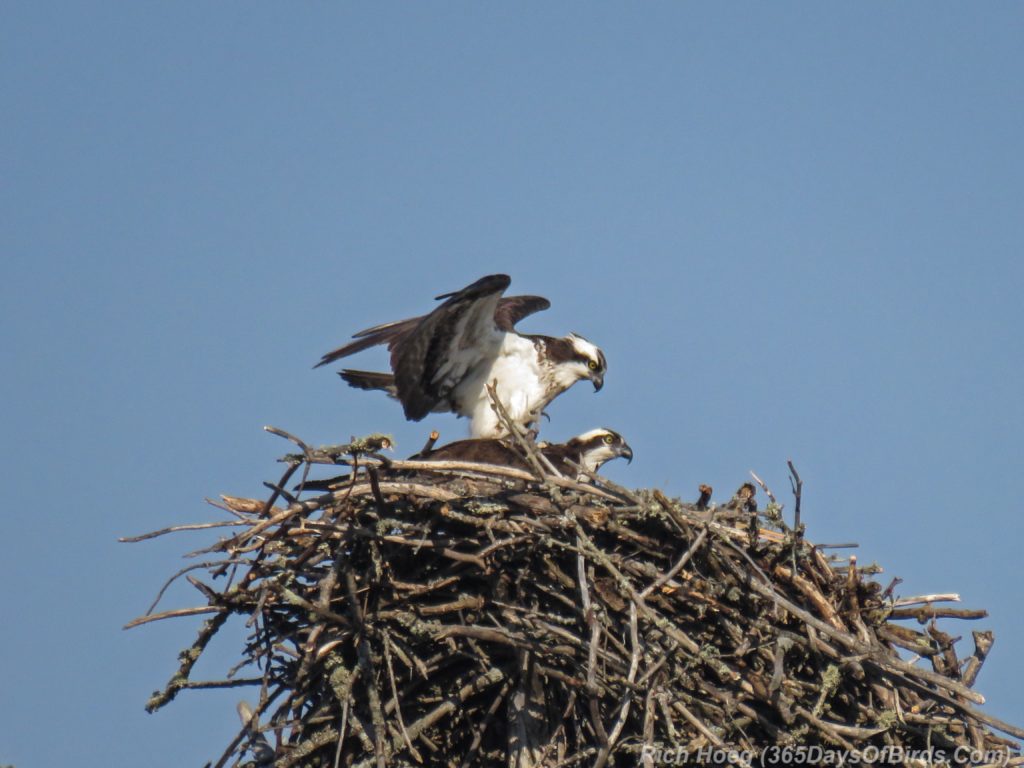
[521,388]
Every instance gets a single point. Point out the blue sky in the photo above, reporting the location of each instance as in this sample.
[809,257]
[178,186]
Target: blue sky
[795,229]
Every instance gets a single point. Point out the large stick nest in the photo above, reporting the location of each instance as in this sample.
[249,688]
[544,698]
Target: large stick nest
[459,615]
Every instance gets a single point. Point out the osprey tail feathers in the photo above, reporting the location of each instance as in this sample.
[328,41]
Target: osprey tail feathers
[384,382]
[370,380]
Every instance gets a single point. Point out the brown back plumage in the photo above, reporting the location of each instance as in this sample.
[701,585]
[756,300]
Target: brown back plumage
[481,451]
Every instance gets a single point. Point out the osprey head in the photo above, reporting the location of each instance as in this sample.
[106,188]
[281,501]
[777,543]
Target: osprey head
[599,446]
[574,358]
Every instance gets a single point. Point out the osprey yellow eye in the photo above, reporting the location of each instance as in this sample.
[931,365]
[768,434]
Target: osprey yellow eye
[592,365]
[609,439]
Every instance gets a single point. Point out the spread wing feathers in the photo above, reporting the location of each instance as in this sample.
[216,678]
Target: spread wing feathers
[510,310]
[514,308]
[388,333]
[430,361]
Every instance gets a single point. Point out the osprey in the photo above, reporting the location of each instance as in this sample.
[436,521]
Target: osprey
[589,451]
[586,452]
[442,362]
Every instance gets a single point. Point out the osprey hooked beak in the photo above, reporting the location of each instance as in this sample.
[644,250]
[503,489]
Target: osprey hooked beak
[626,452]
[598,378]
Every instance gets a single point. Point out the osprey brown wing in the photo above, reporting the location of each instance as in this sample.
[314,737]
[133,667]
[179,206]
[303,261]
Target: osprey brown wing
[514,308]
[510,311]
[431,360]
[388,333]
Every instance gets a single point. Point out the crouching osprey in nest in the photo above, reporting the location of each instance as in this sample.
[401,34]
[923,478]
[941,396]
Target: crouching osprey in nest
[587,452]
[443,362]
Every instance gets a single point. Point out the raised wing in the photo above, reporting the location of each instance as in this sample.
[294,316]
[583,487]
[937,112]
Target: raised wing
[510,310]
[388,333]
[436,355]
[514,308]
[432,354]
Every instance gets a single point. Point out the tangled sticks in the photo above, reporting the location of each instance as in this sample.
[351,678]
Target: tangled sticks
[438,613]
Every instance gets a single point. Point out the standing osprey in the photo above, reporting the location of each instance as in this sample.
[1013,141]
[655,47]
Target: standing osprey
[587,452]
[443,362]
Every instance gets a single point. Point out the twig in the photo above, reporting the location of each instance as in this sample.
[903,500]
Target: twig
[797,486]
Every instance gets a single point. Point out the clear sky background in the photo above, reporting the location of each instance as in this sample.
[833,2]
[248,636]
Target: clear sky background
[796,230]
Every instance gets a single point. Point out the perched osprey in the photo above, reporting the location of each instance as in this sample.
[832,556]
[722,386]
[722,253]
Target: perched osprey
[443,362]
[588,451]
